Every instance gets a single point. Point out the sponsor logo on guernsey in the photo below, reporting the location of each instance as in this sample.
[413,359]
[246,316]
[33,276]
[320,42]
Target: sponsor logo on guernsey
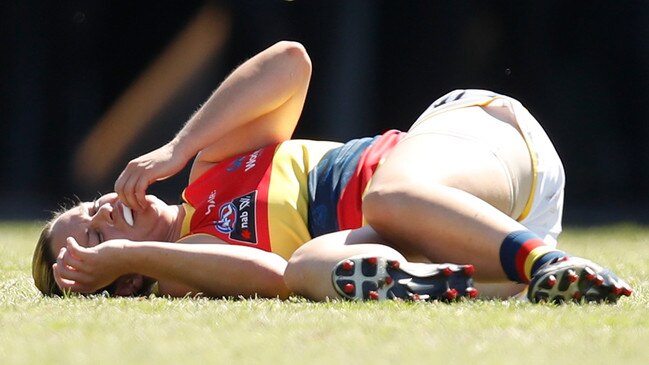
[210,202]
[235,164]
[252,160]
[249,160]
[227,218]
[237,218]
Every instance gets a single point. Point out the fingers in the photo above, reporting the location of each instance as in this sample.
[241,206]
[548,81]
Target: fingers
[68,258]
[159,164]
[140,192]
[77,252]
[68,272]
[69,285]
[76,268]
[131,189]
[124,189]
[63,283]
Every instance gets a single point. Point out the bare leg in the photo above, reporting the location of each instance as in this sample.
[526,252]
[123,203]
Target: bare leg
[309,269]
[443,223]
[448,196]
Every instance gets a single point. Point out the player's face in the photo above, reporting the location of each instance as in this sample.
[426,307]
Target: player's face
[91,223]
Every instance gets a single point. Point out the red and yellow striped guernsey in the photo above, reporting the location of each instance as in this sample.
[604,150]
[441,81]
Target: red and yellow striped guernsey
[279,197]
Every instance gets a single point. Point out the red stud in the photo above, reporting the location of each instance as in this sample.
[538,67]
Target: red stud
[372,260]
[451,294]
[394,264]
[447,271]
[349,288]
[388,280]
[469,270]
[590,274]
[627,291]
[472,292]
[577,296]
[373,295]
[348,265]
[550,281]
[616,290]
[572,276]
[599,280]
[415,297]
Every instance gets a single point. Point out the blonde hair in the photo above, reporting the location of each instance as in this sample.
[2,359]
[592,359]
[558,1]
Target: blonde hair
[42,263]
[44,258]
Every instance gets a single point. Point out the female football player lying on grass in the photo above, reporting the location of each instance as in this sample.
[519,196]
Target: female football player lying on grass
[473,190]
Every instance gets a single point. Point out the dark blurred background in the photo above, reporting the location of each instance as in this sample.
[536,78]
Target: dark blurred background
[87,85]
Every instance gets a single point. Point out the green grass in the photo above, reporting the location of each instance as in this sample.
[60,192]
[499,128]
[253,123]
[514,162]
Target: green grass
[35,330]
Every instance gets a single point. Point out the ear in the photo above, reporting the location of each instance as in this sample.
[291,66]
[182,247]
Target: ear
[128,285]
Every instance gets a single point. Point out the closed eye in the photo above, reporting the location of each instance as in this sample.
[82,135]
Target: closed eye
[94,238]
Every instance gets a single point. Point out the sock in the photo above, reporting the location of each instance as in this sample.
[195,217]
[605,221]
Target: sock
[522,253]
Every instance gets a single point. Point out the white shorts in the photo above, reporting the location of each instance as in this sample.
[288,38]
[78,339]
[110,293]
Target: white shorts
[542,212]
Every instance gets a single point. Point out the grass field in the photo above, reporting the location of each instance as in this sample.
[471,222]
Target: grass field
[98,330]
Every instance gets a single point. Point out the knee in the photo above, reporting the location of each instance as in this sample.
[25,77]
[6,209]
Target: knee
[294,273]
[377,199]
[302,274]
[383,205]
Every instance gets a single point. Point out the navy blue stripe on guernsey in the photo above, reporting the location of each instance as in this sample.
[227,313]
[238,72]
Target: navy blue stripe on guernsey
[328,180]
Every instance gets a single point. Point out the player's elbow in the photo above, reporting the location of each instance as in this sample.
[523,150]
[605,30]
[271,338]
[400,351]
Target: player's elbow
[280,291]
[272,286]
[295,55]
[270,278]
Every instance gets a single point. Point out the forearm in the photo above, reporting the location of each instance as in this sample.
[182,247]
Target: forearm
[263,97]
[212,269]
[259,104]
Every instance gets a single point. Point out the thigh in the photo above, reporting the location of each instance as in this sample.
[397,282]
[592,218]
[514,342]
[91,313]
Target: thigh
[468,149]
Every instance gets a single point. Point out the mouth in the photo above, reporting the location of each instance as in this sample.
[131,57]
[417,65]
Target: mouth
[128,215]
